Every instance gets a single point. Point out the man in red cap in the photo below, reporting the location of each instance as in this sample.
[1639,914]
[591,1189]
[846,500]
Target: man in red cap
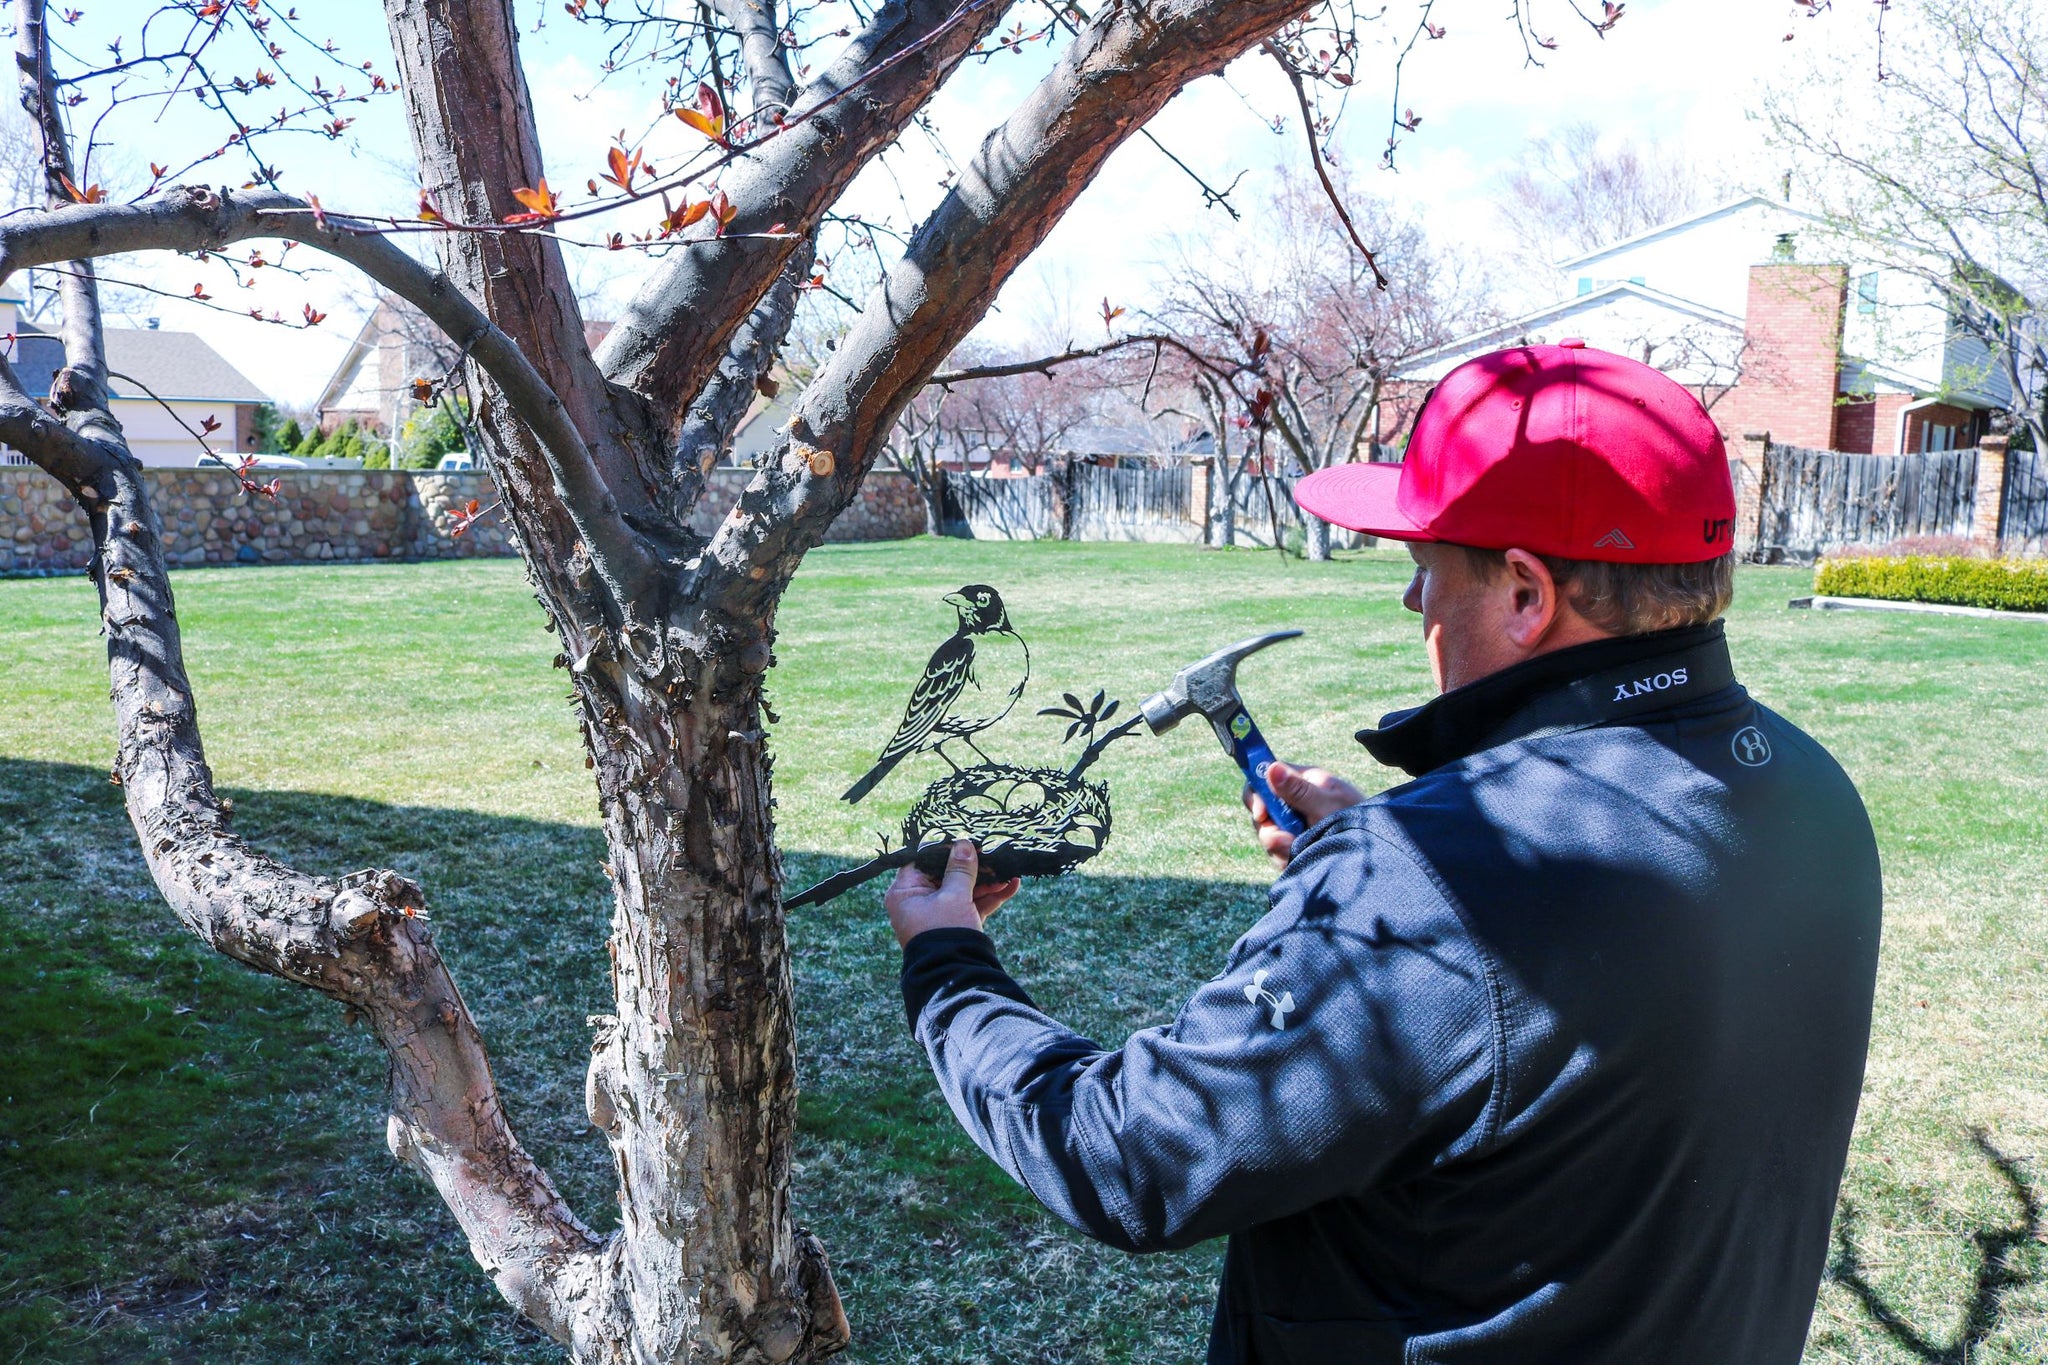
[1547,1056]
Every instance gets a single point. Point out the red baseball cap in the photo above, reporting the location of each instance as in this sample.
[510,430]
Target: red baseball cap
[1560,450]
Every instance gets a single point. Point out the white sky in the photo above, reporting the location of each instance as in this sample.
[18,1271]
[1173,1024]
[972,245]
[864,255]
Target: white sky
[1675,73]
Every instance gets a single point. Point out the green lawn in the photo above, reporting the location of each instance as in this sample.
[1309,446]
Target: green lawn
[192,1165]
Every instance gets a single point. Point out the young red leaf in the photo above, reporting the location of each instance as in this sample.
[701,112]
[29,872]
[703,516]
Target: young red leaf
[428,213]
[91,194]
[208,425]
[722,208]
[313,316]
[708,117]
[623,168]
[199,293]
[542,204]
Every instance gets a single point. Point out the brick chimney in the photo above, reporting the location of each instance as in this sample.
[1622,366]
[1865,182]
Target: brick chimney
[1791,367]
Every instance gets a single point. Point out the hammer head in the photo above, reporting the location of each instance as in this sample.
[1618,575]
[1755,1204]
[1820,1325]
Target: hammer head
[1207,687]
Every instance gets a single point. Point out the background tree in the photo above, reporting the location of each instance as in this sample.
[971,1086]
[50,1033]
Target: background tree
[1582,188]
[600,456]
[1940,171]
[1289,342]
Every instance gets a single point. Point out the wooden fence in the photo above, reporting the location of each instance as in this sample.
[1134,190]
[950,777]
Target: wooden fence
[1814,500]
[1809,501]
[985,508]
[1150,503]
[1083,501]
[2023,520]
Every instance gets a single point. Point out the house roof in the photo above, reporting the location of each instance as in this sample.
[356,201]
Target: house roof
[344,374]
[170,365]
[1502,333]
[1678,225]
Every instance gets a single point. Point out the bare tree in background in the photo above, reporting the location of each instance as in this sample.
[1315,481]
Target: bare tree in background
[1940,172]
[1289,343]
[1579,189]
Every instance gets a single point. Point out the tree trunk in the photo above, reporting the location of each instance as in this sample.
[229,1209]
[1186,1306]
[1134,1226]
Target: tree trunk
[694,1081]
[1316,539]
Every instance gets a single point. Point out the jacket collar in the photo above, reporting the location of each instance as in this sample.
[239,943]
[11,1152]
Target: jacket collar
[1569,689]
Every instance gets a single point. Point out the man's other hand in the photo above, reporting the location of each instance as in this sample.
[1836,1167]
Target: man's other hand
[1314,793]
[916,903]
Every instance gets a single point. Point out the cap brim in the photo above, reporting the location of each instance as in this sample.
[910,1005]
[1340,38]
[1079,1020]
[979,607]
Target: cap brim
[1359,497]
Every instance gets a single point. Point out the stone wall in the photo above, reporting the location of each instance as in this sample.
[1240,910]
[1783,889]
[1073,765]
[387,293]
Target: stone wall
[346,516]
[889,507]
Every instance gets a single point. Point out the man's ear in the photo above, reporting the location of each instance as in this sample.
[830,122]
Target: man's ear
[1533,603]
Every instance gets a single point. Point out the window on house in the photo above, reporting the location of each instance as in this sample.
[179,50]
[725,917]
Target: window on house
[1866,293]
[1937,438]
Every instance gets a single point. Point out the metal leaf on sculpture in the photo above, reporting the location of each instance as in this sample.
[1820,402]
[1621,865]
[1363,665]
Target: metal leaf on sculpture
[1027,821]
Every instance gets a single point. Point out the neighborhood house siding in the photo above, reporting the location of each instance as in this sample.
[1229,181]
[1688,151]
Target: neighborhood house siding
[191,378]
[1780,324]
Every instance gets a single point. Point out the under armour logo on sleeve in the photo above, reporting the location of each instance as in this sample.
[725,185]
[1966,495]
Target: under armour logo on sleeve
[1282,1004]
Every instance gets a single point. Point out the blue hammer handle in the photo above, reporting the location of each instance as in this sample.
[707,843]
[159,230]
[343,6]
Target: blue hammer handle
[1253,755]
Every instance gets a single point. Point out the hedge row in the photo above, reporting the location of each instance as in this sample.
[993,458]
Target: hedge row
[2001,584]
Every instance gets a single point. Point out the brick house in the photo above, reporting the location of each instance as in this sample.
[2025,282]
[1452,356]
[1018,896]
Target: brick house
[194,382]
[1777,323]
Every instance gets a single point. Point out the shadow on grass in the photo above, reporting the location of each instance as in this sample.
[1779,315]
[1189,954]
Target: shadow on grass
[1996,1279]
[193,1156]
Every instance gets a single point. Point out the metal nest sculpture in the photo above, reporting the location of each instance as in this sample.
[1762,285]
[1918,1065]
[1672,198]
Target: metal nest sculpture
[1028,821]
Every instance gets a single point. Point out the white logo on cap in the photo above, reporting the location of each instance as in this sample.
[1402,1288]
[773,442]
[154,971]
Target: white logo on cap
[1614,540]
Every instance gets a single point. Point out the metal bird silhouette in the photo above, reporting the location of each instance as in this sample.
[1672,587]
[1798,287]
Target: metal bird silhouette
[972,681]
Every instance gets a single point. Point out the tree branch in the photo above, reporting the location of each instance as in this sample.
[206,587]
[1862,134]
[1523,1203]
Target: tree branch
[1046,364]
[190,219]
[1315,156]
[1118,72]
[767,60]
[81,387]
[678,327]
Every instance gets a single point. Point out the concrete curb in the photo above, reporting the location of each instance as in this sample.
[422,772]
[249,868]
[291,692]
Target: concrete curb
[1924,608]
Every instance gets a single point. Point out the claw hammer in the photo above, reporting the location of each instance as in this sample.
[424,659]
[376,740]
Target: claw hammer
[1209,688]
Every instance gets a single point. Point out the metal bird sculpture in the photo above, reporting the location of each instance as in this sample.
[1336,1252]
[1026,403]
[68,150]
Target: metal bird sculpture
[972,681]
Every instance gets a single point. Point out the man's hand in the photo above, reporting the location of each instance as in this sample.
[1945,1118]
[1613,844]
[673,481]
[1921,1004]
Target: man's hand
[916,903]
[1313,793]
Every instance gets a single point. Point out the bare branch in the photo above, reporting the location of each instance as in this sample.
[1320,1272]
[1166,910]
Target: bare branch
[1047,363]
[678,327]
[190,219]
[1315,156]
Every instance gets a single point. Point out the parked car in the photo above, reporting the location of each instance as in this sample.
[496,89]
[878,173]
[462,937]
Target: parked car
[457,459]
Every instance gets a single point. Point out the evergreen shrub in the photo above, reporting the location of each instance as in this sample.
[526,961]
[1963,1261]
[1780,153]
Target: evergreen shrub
[2000,584]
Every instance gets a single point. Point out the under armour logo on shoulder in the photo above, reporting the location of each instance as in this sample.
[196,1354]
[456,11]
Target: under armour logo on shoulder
[1614,540]
[1282,1004]
[1750,747]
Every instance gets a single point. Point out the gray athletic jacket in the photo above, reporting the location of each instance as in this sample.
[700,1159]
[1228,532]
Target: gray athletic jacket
[1549,1055]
